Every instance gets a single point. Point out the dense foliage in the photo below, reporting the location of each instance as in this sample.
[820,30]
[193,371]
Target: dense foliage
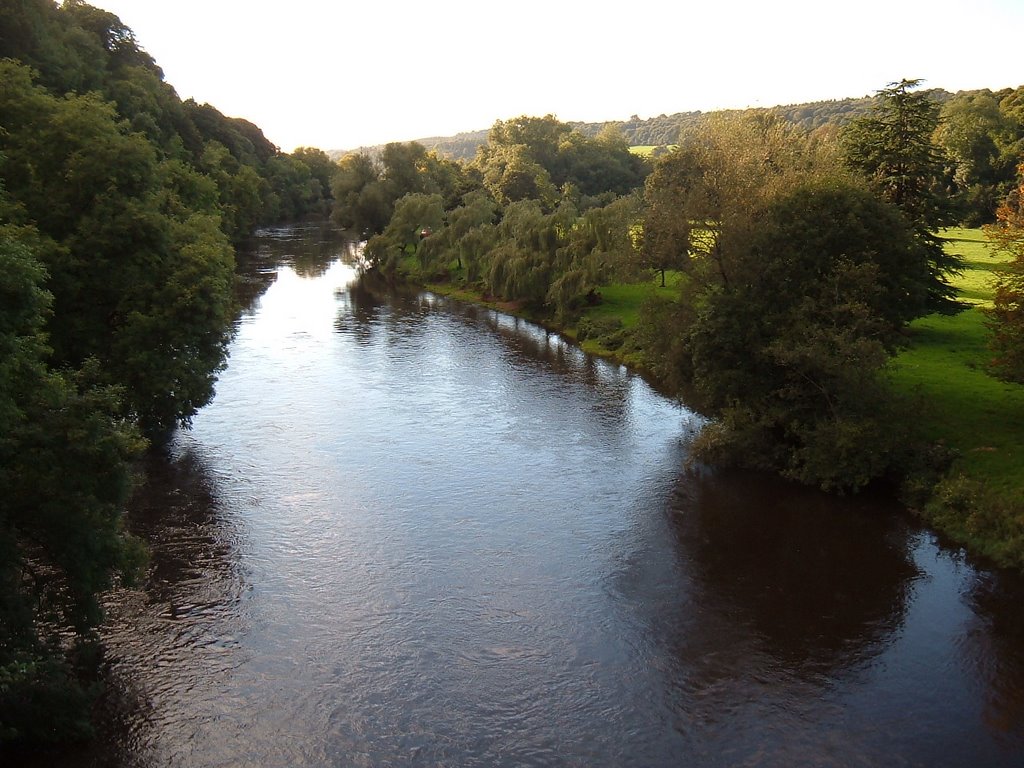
[118,207]
[542,216]
[893,147]
[796,281]
[801,253]
[1006,317]
[980,136]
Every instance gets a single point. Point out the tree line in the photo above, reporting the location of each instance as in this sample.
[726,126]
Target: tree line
[800,257]
[119,207]
[979,135]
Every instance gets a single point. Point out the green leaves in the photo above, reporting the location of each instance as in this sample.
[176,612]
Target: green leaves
[893,148]
[1006,318]
[785,324]
[141,279]
[117,203]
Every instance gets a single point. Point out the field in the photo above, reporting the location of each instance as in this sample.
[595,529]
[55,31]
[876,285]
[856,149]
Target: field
[945,369]
[651,150]
[980,502]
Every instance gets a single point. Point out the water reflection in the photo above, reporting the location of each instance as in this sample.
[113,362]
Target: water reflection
[307,249]
[372,313]
[818,582]
[171,642]
[993,651]
[412,531]
[192,611]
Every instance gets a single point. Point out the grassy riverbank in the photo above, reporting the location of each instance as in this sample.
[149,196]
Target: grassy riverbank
[977,419]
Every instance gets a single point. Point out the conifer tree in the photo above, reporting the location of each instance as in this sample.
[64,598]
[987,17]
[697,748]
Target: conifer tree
[893,147]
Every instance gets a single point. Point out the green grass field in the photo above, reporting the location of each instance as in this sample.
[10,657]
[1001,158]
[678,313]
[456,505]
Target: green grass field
[649,150]
[946,369]
[623,300]
[958,404]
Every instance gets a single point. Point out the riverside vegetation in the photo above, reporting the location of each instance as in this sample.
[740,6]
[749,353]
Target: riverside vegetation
[785,282]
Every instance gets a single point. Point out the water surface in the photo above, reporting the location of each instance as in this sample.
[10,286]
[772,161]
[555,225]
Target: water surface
[414,532]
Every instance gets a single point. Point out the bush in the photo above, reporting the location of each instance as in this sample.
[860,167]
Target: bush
[973,516]
[598,328]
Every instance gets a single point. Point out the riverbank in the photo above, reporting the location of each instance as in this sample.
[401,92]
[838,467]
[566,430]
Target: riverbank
[972,417]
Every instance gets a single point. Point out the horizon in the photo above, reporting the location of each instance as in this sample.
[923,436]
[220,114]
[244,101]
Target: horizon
[924,87]
[348,76]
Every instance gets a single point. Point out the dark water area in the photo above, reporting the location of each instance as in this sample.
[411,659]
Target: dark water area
[410,531]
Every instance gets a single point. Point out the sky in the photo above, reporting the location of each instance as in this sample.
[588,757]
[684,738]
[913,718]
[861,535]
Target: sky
[339,74]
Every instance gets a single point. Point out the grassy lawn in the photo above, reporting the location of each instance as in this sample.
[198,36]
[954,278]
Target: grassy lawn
[623,300]
[649,150]
[620,306]
[958,404]
[980,416]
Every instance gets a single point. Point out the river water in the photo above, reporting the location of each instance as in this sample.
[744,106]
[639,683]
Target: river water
[410,531]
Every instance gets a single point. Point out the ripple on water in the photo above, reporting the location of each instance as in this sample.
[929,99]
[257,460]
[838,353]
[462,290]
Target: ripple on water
[409,531]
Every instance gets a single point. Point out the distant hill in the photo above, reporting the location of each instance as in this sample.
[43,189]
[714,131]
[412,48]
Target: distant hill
[662,130]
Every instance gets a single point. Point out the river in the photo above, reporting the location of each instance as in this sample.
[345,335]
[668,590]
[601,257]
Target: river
[410,531]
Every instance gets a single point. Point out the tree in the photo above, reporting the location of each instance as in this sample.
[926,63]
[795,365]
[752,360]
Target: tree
[974,133]
[366,190]
[669,205]
[361,203]
[116,272]
[140,272]
[598,245]
[478,210]
[788,355]
[1006,318]
[534,157]
[417,216]
[510,175]
[726,166]
[893,147]
[320,166]
[65,469]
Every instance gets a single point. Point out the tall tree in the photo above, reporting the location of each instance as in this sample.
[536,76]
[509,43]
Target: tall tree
[726,166]
[669,212]
[974,134]
[893,147]
[140,274]
[788,354]
[65,471]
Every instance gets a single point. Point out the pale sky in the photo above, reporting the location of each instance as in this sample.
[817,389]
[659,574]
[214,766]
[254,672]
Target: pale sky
[337,75]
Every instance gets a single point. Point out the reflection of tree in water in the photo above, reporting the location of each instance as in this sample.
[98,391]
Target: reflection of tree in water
[170,642]
[816,583]
[533,347]
[373,309]
[993,651]
[309,249]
